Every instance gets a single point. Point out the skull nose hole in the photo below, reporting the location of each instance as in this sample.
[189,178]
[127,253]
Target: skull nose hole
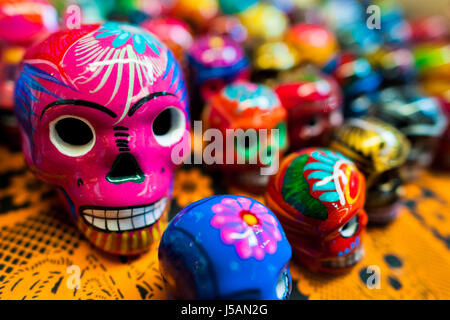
[125,169]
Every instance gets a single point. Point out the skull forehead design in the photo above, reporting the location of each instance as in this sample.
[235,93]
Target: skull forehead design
[249,95]
[115,64]
[95,105]
[247,105]
[331,190]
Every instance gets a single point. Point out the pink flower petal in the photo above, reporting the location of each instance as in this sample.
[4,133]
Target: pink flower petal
[232,204]
[258,209]
[227,236]
[258,253]
[218,221]
[245,203]
[228,219]
[271,246]
[243,249]
[269,219]
[272,232]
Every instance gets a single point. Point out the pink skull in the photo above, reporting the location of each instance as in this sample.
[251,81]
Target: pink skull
[100,109]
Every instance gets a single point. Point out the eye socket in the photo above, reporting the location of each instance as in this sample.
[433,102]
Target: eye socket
[313,122]
[247,147]
[283,287]
[350,228]
[168,126]
[72,136]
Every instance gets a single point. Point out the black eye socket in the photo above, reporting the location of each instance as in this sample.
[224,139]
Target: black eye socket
[313,122]
[163,122]
[72,136]
[169,126]
[74,131]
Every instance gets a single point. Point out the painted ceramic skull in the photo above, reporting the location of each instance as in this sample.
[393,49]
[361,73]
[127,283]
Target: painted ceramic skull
[215,61]
[379,150]
[358,80]
[21,23]
[226,247]
[313,102]
[419,117]
[248,107]
[318,196]
[100,110]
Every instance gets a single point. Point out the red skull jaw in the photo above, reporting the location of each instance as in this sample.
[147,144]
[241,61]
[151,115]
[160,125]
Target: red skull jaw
[342,264]
[333,254]
[334,265]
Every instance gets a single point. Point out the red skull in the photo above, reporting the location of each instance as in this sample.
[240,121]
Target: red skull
[313,103]
[318,196]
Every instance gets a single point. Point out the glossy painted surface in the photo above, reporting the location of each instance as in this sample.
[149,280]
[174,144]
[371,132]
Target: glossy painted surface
[318,196]
[197,12]
[21,23]
[235,6]
[109,83]
[315,44]
[229,26]
[419,117]
[433,59]
[396,65]
[216,61]
[276,56]
[263,22]
[357,79]
[379,150]
[358,38]
[173,32]
[313,103]
[245,105]
[394,27]
[429,29]
[225,247]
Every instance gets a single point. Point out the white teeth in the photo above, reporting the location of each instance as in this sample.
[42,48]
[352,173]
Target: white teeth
[125,219]
[111,213]
[89,218]
[98,213]
[112,225]
[99,223]
[125,224]
[139,221]
[138,211]
[125,213]
[346,261]
[149,218]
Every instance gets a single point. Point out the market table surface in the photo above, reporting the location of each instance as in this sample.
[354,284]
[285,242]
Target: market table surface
[38,243]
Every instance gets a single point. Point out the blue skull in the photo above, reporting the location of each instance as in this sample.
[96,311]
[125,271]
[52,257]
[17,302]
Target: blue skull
[225,247]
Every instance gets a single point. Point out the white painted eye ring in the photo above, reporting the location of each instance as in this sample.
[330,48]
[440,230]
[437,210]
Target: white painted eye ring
[85,137]
[282,288]
[350,228]
[169,126]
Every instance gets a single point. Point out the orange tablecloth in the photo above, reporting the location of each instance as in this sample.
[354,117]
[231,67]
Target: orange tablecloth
[38,243]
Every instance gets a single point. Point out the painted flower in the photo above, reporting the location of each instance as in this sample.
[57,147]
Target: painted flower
[247,225]
[122,33]
[334,176]
[251,96]
[190,186]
